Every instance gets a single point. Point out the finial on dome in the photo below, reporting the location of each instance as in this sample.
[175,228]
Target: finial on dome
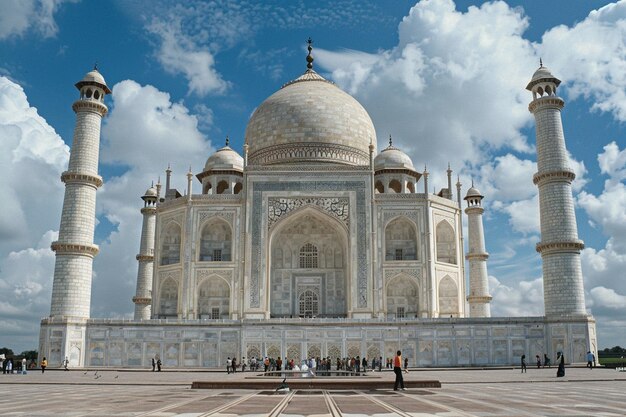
[227,140]
[309,57]
[390,141]
[472,181]
[95,66]
[540,63]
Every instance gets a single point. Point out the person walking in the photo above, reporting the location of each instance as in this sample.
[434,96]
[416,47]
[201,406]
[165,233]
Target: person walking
[234,364]
[538,359]
[44,364]
[524,364]
[589,360]
[406,364]
[153,364]
[23,366]
[66,363]
[159,365]
[560,358]
[229,364]
[546,360]
[397,369]
[380,364]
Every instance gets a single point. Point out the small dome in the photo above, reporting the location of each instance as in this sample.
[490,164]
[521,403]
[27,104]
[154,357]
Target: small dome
[542,74]
[151,192]
[473,192]
[94,77]
[224,159]
[392,158]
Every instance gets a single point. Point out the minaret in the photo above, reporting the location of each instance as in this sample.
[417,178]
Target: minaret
[143,297]
[559,247]
[75,250]
[478,297]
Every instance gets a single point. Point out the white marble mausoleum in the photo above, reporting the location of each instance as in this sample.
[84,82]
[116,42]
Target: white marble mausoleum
[312,243]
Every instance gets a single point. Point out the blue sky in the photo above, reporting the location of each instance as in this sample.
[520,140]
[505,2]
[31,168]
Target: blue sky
[446,80]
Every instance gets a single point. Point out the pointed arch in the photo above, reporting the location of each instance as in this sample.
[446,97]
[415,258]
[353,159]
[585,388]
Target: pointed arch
[402,297]
[168,298]
[395,186]
[216,241]
[213,298]
[446,242]
[448,297]
[170,244]
[400,240]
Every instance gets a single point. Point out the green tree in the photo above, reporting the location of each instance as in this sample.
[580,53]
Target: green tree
[29,354]
[7,352]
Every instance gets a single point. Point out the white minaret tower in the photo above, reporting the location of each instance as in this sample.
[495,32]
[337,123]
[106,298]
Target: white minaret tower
[75,250]
[143,298]
[478,297]
[559,247]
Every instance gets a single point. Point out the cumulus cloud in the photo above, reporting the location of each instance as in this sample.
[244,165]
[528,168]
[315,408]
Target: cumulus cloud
[524,298]
[144,132]
[18,16]
[593,64]
[30,150]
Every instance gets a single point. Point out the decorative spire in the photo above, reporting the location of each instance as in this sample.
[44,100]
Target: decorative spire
[95,66]
[309,57]
[227,140]
[390,141]
[540,63]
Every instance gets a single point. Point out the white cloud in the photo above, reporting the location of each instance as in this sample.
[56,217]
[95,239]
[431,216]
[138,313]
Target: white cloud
[18,16]
[179,54]
[450,83]
[144,132]
[524,298]
[590,58]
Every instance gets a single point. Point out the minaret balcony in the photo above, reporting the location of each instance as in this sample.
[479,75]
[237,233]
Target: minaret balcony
[553,102]
[560,247]
[559,175]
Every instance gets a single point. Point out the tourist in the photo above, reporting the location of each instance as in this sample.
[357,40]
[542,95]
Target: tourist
[406,364]
[560,358]
[538,359]
[159,365]
[229,364]
[380,364]
[364,364]
[234,365]
[524,364]
[153,364]
[10,366]
[397,369]
[66,363]
[23,366]
[546,360]
[357,365]
[589,360]
[243,364]
[44,364]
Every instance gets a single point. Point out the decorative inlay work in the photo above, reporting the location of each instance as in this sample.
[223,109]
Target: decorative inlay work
[90,105]
[312,167]
[175,275]
[311,151]
[338,207]
[227,215]
[94,180]
[85,249]
[142,300]
[549,176]
[554,102]
[202,274]
[145,258]
[359,187]
[412,272]
[552,247]
[477,256]
[389,214]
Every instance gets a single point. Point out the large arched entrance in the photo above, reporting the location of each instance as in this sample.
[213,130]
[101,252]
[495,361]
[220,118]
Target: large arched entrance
[308,266]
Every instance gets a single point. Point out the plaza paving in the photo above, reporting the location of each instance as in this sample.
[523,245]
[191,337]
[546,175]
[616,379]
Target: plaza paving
[501,392]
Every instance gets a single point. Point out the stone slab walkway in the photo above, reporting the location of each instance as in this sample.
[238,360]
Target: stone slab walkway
[503,392]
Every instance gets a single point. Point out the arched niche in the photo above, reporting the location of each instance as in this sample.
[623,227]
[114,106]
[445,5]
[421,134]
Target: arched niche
[216,241]
[446,243]
[168,298]
[402,297]
[308,252]
[238,188]
[395,186]
[379,187]
[170,244]
[222,187]
[214,298]
[400,240]
[448,297]
[207,188]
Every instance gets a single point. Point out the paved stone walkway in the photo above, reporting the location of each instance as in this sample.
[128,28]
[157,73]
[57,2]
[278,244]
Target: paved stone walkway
[504,392]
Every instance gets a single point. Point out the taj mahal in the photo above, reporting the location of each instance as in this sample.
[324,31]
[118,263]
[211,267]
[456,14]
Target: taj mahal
[311,242]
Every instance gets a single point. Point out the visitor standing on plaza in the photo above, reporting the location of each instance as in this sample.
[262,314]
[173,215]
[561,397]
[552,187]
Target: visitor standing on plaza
[159,365]
[406,364]
[66,363]
[234,364]
[560,358]
[23,366]
[589,360]
[44,364]
[380,364]
[397,369]
[229,364]
[546,360]
[524,364]
[153,364]
[538,359]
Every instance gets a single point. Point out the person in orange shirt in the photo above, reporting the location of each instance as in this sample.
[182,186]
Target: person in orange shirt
[397,369]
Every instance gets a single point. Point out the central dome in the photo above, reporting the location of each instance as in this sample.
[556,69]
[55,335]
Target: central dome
[310,119]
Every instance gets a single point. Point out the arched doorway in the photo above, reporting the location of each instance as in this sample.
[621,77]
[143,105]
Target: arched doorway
[309,272]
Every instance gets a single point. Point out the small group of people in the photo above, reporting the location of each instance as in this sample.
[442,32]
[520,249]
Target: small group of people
[156,363]
[560,358]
